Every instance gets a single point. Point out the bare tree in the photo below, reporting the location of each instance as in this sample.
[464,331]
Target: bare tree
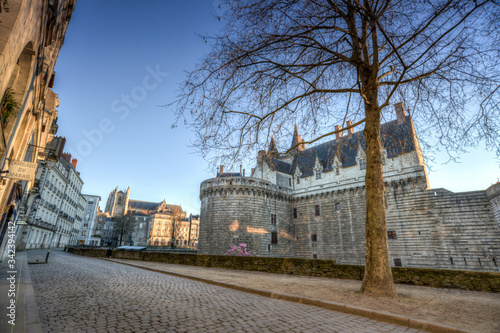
[321,62]
[124,227]
[176,216]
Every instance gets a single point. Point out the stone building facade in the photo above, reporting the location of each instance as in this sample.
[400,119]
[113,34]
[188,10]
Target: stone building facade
[311,204]
[31,36]
[154,223]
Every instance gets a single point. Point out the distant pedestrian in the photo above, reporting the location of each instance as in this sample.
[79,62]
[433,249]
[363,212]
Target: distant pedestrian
[108,252]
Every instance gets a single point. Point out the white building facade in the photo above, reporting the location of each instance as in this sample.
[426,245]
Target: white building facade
[55,207]
[87,230]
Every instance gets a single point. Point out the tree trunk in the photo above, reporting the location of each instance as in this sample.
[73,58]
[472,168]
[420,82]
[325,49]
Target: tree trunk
[378,275]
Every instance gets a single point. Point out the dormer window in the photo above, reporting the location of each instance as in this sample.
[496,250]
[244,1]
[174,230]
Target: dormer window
[362,164]
[318,174]
[337,171]
[298,180]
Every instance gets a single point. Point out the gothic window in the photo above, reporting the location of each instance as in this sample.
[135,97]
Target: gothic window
[362,164]
[298,179]
[273,218]
[314,238]
[317,211]
[295,214]
[274,237]
[318,174]
[392,234]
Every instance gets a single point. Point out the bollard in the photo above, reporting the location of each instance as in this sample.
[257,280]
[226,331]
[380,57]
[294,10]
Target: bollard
[47,257]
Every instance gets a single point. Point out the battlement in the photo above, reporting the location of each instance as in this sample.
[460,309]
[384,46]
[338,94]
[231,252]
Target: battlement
[241,183]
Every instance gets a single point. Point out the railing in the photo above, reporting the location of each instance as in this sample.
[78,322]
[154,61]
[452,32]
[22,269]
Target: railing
[39,223]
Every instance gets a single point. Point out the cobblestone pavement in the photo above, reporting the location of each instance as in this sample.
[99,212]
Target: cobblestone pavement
[81,294]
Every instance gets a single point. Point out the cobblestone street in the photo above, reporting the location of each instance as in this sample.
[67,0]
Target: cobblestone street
[81,294]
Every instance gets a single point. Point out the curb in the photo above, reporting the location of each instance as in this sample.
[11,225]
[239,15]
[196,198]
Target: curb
[345,308]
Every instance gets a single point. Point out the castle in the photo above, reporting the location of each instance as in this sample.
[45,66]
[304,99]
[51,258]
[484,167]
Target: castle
[310,203]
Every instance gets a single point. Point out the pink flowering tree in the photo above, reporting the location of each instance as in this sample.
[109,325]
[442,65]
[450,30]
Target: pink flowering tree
[238,250]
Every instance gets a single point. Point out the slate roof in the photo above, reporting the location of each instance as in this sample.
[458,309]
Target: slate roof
[143,205]
[396,139]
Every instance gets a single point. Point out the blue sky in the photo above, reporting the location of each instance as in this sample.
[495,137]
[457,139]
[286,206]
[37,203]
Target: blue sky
[121,61]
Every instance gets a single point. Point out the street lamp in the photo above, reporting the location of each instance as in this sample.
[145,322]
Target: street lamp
[51,161]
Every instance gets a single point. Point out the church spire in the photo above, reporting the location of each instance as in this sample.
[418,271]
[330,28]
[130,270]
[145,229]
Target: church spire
[272,147]
[296,138]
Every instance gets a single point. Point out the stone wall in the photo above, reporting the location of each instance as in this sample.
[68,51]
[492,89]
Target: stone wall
[427,228]
[438,278]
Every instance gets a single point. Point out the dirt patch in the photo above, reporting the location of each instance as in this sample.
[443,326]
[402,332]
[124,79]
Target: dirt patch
[467,310]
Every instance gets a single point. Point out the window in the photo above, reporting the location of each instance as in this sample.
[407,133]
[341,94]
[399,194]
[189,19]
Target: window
[392,234]
[337,171]
[87,217]
[383,160]
[295,214]
[274,237]
[85,225]
[317,211]
[273,218]
[315,256]
[318,174]
[314,238]
[337,206]
[290,182]
[298,179]
[397,262]
[362,164]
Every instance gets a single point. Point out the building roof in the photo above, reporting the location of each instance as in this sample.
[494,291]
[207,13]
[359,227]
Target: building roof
[396,139]
[143,205]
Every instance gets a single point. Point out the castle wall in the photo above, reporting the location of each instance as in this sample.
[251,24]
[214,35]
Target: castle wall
[238,210]
[429,228]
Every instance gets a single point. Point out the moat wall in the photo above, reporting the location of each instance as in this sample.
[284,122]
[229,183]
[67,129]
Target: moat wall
[465,280]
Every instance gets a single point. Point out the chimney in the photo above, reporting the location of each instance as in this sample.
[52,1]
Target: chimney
[221,170]
[243,173]
[67,157]
[338,135]
[400,112]
[240,169]
[74,162]
[350,131]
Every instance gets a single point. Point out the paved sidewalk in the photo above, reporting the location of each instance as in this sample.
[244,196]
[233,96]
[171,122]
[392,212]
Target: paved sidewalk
[18,312]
